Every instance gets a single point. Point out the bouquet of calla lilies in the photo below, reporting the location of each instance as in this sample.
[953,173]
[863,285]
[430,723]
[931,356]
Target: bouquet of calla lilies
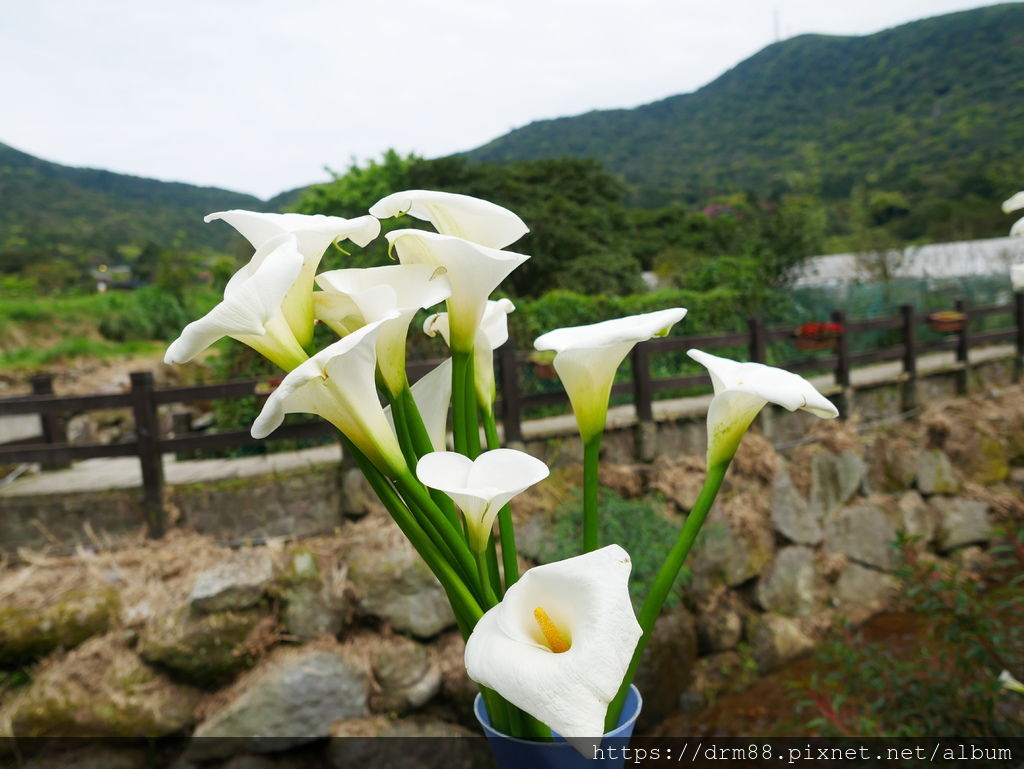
[556,648]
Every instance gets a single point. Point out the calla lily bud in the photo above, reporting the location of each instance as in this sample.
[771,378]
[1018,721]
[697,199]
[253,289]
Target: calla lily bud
[338,384]
[461,216]
[355,297]
[480,487]
[586,358]
[1010,683]
[313,233]
[490,335]
[559,643]
[474,271]
[252,310]
[742,390]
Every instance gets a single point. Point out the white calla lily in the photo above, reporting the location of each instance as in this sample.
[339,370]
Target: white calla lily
[490,335]
[1017,275]
[1008,681]
[586,358]
[432,394]
[338,384]
[473,271]
[1015,203]
[480,487]
[560,642]
[462,216]
[252,310]
[313,233]
[352,298]
[742,390]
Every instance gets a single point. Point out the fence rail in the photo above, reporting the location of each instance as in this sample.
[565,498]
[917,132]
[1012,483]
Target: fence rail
[144,399]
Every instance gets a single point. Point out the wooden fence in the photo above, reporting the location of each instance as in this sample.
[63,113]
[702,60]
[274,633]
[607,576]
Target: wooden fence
[144,399]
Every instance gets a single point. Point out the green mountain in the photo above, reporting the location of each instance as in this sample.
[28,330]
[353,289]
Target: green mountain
[84,216]
[930,109]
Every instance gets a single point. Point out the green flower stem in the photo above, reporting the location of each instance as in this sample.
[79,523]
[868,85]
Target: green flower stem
[464,604]
[472,422]
[591,460]
[446,532]
[493,572]
[402,430]
[665,578]
[483,574]
[422,445]
[509,562]
[460,430]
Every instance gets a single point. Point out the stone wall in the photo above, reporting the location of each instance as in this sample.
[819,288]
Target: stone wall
[351,635]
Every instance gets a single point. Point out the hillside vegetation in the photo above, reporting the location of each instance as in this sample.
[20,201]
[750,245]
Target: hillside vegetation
[929,116]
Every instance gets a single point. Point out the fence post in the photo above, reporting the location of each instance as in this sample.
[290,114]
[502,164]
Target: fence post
[843,365]
[1018,316]
[757,342]
[147,436]
[963,344]
[53,425]
[646,429]
[510,416]
[909,393]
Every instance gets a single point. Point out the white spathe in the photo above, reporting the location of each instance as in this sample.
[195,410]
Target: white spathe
[586,358]
[491,334]
[474,271]
[587,600]
[338,384]
[1008,681]
[482,486]
[354,297]
[462,216]
[1017,275]
[432,394]
[742,390]
[252,309]
[1015,203]
[313,233]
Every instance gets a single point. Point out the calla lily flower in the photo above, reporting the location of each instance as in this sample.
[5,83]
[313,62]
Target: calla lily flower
[742,390]
[461,216]
[338,384]
[432,394]
[474,271]
[313,233]
[586,358]
[1015,203]
[252,310]
[352,298]
[559,643]
[491,334]
[1017,274]
[1009,682]
[480,487]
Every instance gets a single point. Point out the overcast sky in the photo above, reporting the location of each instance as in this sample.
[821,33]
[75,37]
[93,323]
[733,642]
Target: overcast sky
[259,95]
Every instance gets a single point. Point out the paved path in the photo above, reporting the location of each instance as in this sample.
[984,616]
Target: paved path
[124,472]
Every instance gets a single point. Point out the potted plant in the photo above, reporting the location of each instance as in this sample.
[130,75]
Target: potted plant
[556,649]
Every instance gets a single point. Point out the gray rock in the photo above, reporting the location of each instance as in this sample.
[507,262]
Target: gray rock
[917,518]
[394,584]
[791,513]
[457,689]
[720,621]
[407,675]
[774,640]
[87,756]
[358,497]
[291,699]
[935,473]
[666,665]
[236,584]
[308,609]
[28,633]
[714,675]
[835,478]
[865,532]
[861,591]
[735,544]
[791,585]
[203,649]
[961,522]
